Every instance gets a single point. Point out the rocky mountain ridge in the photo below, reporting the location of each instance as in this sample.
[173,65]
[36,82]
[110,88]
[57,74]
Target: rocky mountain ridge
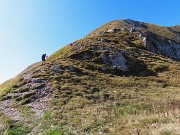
[154,41]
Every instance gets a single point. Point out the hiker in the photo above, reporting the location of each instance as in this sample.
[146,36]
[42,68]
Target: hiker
[43,57]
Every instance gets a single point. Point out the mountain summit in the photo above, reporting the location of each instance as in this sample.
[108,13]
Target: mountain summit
[157,39]
[122,78]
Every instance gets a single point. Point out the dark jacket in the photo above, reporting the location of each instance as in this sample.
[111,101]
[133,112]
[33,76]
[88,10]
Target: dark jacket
[43,57]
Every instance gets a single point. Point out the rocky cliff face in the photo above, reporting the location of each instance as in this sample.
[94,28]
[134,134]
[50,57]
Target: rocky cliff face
[164,47]
[157,39]
[157,44]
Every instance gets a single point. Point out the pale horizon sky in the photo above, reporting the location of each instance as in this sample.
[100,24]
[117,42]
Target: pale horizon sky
[29,28]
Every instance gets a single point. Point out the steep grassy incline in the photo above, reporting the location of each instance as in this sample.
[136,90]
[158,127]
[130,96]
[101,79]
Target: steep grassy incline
[106,83]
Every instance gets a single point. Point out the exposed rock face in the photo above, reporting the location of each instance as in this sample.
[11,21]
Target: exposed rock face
[70,68]
[157,39]
[115,60]
[175,29]
[6,107]
[158,45]
[113,30]
[26,76]
[164,47]
[86,56]
[57,69]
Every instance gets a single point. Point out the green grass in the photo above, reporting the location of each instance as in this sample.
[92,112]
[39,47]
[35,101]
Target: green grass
[18,129]
[10,127]
[26,110]
[53,132]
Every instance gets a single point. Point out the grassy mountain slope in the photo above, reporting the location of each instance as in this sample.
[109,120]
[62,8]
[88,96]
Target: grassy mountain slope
[105,83]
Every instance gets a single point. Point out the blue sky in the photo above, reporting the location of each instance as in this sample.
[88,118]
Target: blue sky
[29,28]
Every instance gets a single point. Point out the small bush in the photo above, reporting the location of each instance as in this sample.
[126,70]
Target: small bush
[148,72]
[22,89]
[160,68]
[47,114]
[25,101]
[18,129]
